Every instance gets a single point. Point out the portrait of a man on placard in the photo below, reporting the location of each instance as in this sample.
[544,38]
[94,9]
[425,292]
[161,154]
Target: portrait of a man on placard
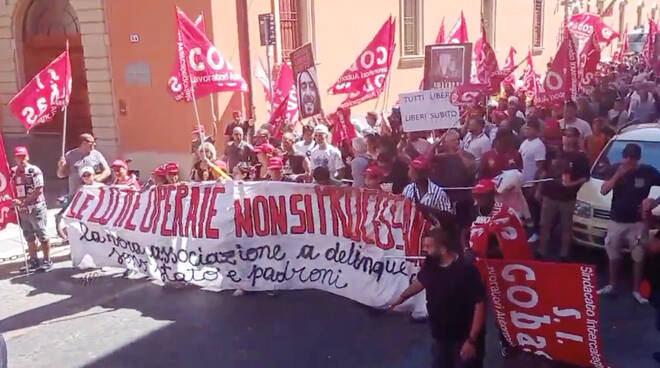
[308,92]
[446,65]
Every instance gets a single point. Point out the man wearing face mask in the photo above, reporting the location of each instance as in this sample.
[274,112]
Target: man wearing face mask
[455,299]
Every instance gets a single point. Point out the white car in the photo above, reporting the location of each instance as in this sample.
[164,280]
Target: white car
[592,210]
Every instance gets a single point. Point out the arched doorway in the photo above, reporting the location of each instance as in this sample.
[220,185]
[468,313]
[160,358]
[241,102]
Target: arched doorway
[47,25]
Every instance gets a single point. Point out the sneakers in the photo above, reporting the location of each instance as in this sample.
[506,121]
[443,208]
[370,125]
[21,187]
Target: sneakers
[33,265]
[639,298]
[607,290]
[46,266]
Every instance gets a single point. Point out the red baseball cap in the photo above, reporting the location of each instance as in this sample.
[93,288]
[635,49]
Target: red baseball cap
[420,163]
[264,148]
[20,151]
[171,168]
[275,163]
[159,171]
[236,113]
[484,186]
[119,163]
[374,171]
[221,164]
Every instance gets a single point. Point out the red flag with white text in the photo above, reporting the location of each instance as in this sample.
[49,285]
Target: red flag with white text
[561,81]
[589,59]
[174,84]
[509,64]
[7,212]
[458,34]
[285,92]
[440,38]
[531,79]
[278,117]
[49,91]
[485,61]
[202,66]
[583,25]
[649,45]
[342,128]
[365,79]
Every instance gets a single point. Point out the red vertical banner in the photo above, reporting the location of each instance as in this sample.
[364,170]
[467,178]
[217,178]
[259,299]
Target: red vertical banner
[7,213]
[558,323]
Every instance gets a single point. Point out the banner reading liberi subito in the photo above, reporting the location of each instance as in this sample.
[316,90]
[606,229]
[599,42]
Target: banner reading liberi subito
[254,236]
[547,309]
[307,85]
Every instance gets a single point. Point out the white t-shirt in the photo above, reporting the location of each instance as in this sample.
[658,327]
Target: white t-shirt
[477,146]
[581,125]
[329,157]
[302,149]
[531,152]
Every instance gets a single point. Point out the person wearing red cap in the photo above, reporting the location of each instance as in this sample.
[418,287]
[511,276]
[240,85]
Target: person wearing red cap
[76,159]
[275,166]
[159,175]
[264,153]
[373,177]
[28,183]
[172,173]
[428,196]
[122,177]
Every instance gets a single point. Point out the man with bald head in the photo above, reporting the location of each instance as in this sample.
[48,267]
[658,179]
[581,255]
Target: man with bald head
[238,150]
[75,160]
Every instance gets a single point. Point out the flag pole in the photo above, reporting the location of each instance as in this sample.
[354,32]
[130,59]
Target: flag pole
[23,245]
[194,100]
[66,105]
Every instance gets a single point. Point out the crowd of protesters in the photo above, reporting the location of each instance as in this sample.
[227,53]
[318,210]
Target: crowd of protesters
[529,158]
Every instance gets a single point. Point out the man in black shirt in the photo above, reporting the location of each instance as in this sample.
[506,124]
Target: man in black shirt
[455,299]
[570,169]
[630,183]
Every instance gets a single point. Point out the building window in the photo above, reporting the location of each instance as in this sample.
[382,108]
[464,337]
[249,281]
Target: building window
[537,31]
[289,26]
[622,17]
[411,28]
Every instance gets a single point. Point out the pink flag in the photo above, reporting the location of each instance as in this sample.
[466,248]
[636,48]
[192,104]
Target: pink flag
[583,25]
[509,64]
[589,59]
[202,64]
[7,213]
[440,38]
[285,93]
[562,79]
[458,33]
[174,85]
[365,79]
[49,90]
[649,45]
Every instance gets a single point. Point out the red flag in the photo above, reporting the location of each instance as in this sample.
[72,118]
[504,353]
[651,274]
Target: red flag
[485,61]
[468,94]
[342,128]
[531,79]
[458,33]
[624,46]
[285,93]
[174,85]
[583,25]
[202,63]
[649,45]
[509,64]
[562,79]
[589,59]
[440,38]
[49,90]
[365,79]
[7,212]
[279,116]
[547,309]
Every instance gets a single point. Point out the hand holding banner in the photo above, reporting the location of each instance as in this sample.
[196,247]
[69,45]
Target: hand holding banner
[38,102]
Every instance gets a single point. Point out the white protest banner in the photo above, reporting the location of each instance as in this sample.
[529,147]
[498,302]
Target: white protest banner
[427,110]
[254,236]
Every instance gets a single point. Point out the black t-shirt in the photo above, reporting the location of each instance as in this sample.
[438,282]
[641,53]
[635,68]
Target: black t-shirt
[452,293]
[630,191]
[295,163]
[575,163]
[398,177]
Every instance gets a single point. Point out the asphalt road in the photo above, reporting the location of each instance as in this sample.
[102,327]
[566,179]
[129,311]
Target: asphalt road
[62,319]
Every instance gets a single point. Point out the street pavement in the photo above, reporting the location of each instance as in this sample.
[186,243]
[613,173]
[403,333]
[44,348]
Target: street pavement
[73,318]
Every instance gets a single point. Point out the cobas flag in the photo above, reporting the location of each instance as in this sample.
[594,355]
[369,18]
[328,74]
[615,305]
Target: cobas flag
[589,59]
[531,79]
[7,213]
[458,34]
[365,79]
[202,67]
[174,84]
[583,25]
[509,64]
[649,45]
[485,63]
[561,81]
[49,91]
[285,93]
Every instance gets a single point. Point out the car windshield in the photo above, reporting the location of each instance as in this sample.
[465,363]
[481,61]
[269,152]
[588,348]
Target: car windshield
[612,156]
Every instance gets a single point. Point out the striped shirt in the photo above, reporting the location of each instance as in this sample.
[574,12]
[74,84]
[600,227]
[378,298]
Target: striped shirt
[435,197]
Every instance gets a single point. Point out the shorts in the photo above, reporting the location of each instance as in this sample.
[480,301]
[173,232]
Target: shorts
[33,224]
[621,234]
